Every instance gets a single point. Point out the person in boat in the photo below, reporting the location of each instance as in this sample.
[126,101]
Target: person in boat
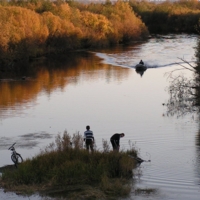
[89,139]
[115,139]
[141,62]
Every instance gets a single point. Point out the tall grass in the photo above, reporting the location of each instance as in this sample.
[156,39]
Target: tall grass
[64,165]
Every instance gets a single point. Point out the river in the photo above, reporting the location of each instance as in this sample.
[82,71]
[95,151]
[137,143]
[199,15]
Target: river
[102,89]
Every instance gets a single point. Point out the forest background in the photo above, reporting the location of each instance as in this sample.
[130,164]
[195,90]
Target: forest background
[35,28]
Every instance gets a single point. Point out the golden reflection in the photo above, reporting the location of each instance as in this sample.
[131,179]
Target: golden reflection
[53,75]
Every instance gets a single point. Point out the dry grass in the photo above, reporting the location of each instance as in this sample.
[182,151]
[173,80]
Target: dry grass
[67,170]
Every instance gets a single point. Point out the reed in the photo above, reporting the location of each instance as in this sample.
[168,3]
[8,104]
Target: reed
[65,166]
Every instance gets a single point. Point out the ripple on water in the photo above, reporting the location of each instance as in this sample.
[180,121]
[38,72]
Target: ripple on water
[170,143]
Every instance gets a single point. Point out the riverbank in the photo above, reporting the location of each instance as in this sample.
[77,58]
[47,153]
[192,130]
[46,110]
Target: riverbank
[45,29]
[42,28]
[169,16]
[71,171]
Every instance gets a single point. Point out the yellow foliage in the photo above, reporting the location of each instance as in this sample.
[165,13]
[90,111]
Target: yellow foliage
[42,26]
[58,26]
[97,24]
[20,23]
[125,23]
[63,11]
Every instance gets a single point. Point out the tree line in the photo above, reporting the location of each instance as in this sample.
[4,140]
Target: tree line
[29,29]
[169,17]
[33,28]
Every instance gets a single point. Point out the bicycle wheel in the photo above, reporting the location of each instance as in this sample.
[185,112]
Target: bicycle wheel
[19,158]
[14,158]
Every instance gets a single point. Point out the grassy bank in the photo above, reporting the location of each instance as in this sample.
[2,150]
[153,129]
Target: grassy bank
[62,168]
[30,29]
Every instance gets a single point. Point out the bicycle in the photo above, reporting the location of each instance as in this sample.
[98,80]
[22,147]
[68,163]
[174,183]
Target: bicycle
[15,157]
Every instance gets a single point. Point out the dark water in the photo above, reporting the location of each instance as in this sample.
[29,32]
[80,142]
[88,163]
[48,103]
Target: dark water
[102,89]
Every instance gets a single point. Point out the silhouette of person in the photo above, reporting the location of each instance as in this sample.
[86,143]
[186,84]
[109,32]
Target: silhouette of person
[89,139]
[115,140]
[141,62]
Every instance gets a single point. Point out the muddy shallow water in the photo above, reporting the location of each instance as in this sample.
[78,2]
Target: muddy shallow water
[102,89]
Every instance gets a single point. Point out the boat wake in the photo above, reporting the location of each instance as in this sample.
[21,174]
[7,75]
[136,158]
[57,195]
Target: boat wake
[128,62]
[167,65]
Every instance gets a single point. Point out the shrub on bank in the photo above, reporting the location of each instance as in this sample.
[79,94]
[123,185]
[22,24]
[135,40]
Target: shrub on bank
[168,17]
[64,166]
[30,29]
[22,34]
[126,26]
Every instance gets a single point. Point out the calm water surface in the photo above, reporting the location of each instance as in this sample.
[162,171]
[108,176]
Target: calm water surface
[102,89]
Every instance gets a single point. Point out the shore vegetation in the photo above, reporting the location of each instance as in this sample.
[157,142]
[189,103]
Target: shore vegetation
[30,29]
[167,16]
[66,168]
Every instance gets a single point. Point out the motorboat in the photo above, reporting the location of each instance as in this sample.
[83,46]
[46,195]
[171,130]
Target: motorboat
[140,68]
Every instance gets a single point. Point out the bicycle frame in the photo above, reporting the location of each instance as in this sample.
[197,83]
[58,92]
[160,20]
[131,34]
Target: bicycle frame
[15,156]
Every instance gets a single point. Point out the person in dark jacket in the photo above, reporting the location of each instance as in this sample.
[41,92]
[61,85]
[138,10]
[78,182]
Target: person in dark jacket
[115,140]
[141,62]
[89,139]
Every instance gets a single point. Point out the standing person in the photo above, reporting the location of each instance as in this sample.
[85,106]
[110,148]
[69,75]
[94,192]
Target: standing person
[89,139]
[115,139]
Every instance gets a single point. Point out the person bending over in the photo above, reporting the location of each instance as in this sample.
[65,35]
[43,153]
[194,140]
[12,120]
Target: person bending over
[115,140]
[89,139]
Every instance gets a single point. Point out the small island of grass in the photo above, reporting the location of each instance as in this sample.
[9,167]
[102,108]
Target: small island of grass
[65,168]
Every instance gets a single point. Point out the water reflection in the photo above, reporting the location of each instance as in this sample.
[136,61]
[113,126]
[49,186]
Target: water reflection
[51,75]
[27,141]
[140,71]
[117,104]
